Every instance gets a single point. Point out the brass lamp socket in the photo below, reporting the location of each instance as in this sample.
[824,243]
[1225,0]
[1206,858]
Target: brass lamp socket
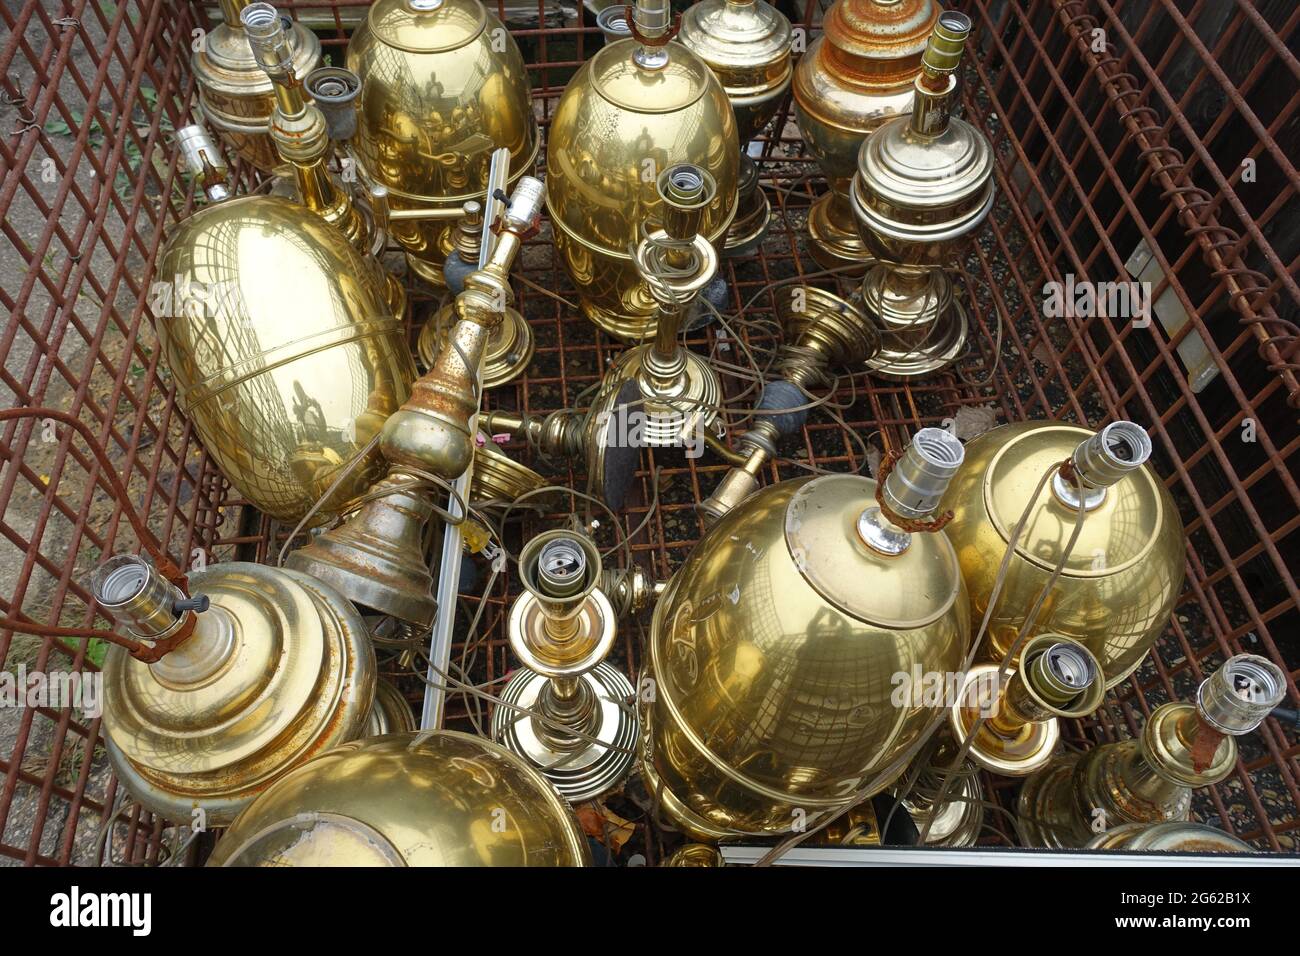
[1058,678]
[687,191]
[1236,698]
[268,39]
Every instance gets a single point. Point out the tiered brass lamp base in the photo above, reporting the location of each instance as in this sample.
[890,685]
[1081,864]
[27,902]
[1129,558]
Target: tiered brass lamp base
[836,244]
[585,773]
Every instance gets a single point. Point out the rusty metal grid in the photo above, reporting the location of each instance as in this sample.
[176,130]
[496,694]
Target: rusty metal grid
[1098,149]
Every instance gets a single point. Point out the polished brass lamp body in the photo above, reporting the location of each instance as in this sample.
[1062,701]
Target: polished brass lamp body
[924,183]
[285,352]
[773,650]
[1118,586]
[854,77]
[436,798]
[1150,780]
[633,110]
[566,711]
[278,668]
[747,44]
[443,85]
[235,93]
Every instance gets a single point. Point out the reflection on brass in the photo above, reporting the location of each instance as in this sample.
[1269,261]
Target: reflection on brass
[391,714]
[924,183]
[279,668]
[1118,585]
[822,333]
[561,629]
[630,112]
[509,348]
[1168,837]
[377,557]
[695,854]
[747,45]
[443,85]
[1150,780]
[234,92]
[1057,678]
[285,355]
[769,686]
[436,798]
[854,77]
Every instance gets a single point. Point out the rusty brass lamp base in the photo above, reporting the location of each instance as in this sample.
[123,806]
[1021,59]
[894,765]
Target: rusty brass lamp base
[833,241]
[589,770]
[509,347]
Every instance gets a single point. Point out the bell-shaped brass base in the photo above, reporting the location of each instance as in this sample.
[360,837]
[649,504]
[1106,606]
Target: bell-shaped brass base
[1011,752]
[428,271]
[376,558]
[833,238]
[922,326]
[498,478]
[840,332]
[509,347]
[753,213]
[588,769]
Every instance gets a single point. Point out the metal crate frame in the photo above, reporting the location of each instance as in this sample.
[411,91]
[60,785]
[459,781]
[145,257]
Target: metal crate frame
[1140,137]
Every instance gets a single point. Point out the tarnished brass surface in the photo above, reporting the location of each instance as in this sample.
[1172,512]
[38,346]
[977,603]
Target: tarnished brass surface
[235,93]
[855,76]
[1171,837]
[509,347]
[1150,779]
[746,43]
[773,653]
[1120,582]
[618,126]
[285,356]
[443,84]
[278,670]
[436,798]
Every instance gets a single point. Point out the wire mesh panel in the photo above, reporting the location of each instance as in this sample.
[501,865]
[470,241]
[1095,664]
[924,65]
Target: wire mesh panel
[1149,142]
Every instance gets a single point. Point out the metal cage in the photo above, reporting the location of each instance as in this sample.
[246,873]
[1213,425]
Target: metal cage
[1147,140]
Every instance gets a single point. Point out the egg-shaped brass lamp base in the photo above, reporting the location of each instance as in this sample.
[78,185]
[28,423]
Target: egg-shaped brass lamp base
[434,798]
[509,347]
[589,769]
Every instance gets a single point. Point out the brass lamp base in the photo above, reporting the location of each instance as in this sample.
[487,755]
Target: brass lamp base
[911,348]
[498,478]
[1017,754]
[835,246]
[589,770]
[677,813]
[959,821]
[628,328]
[428,271]
[665,420]
[375,559]
[509,347]
[753,213]
[1045,810]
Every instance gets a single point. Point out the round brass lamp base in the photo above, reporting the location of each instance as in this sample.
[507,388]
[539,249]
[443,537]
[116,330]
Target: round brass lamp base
[1017,755]
[959,821]
[897,361]
[589,770]
[427,271]
[509,347]
[832,246]
[750,225]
